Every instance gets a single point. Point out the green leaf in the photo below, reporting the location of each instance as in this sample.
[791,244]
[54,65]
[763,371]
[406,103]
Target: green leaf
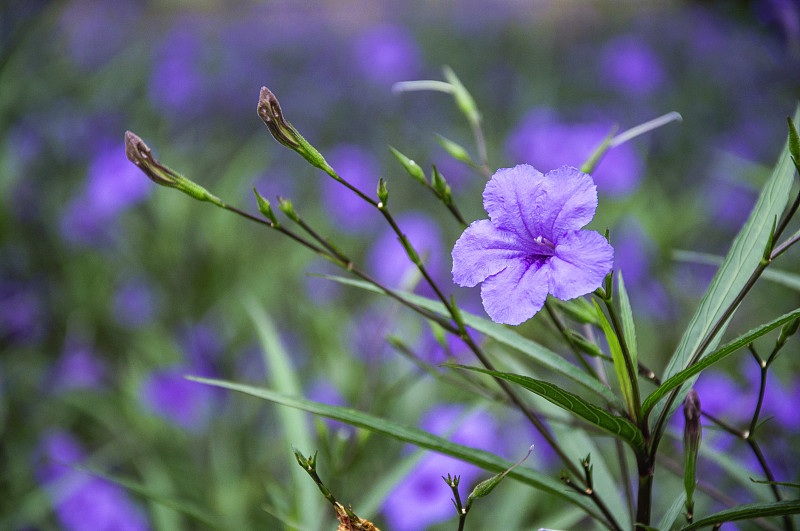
[742,259]
[295,425]
[618,358]
[423,439]
[411,167]
[457,151]
[720,354]
[463,98]
[668,520]
[784,278]
[747,512]
[621,427]
[628,328]
[505,336]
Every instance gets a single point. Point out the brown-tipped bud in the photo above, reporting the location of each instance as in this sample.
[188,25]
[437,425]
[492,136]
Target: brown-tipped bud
[270,112]
[691,412]
[138,153]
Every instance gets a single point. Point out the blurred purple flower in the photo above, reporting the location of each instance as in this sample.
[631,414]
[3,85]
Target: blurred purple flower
[21,313]
[388,260]
[423,498]
[630,66]
[169,395]
[112,185]
[633,255]
[83,502]
[780,400]
[322,390]
[178,83]
[722,397]
[95,30]
[729,203]
[321,290]
[784,17]
[532,244]
[357,166]
[78,367]
[386,54]
[135,304]
[201,345]
[542,140]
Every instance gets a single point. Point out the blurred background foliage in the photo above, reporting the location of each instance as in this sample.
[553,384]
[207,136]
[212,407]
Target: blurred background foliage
[111,290]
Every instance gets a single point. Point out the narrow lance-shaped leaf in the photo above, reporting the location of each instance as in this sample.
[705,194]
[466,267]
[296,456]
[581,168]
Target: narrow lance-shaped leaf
[672,513]
[720,354]
[619,360]
[628,327]
[621,427]
[779,276]
[505,336]
[747,512]
[740,262]
[418,437]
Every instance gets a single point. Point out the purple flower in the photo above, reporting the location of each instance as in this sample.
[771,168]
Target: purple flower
[78,367]
[389,261]
[113,185]
[423,498]
[179,83]
[348,211]
[95,31]
[135,304]
[532,244]
[630,66]
[546,142]
[386,54]
[22,313]
[169,395]
[84,502]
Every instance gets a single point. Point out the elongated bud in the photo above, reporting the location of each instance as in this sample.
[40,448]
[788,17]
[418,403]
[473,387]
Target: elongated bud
[788,330]
[485,487]
[794,141]
[410,166]
[691,412]
[138,153]
[383,192]
[691,444]
[265,208]
[270,111]
[441,187]
[457,151]
[287,208]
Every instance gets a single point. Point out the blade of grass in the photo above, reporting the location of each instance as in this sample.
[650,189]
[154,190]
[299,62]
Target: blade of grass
[505,336]
[423,439]
[295,425]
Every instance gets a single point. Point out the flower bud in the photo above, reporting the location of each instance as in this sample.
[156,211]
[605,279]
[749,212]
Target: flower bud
[383,192]
[270,111]
[692,429]
[138,153]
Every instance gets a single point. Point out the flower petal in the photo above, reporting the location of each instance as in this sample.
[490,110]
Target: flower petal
[570,201]
[516,293]
[482,251]
[514,199]
[583,258]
